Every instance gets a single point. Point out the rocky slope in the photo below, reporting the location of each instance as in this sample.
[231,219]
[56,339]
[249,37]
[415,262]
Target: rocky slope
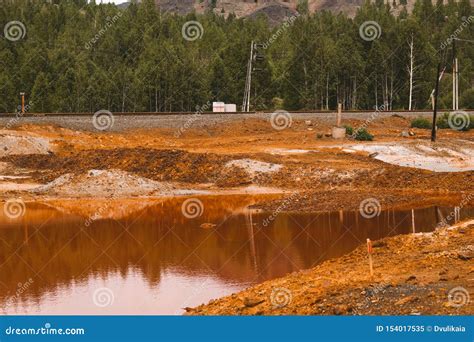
[275,10]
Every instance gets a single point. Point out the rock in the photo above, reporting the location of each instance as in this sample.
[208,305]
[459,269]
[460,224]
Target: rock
[465,256]
[405,134]
[338,132]
[341,309]
[251,302]
[411,133]
[379,244]
[467,253]
[373,155]
[411,278]
[308,123]
[406,300]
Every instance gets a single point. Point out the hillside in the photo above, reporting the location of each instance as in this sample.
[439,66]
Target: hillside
[274,9]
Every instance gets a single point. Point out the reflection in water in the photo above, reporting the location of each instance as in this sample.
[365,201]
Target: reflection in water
[157,261]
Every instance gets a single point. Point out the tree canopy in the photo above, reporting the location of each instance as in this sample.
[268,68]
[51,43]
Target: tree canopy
[75,56]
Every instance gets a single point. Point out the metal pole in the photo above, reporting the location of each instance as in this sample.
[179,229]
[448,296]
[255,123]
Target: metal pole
[435,110]
[250,77]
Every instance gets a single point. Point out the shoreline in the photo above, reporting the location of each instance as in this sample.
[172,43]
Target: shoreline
[422,273]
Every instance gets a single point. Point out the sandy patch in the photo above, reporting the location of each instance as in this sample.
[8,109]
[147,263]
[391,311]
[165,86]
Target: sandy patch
[14,144]
[253,167]
[456,156]
[287,151]
[108,183]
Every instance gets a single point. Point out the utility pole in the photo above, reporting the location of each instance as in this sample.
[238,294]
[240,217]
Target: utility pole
[410,71]
[255,56]
[455,78]
[248,82]
[435,109]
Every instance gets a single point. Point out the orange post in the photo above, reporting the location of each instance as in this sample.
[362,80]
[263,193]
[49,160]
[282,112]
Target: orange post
[22,103]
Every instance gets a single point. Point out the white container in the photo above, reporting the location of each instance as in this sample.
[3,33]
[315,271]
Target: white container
[230,108]
[218,107]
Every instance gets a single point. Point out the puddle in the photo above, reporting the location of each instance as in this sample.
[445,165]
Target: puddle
[159,259]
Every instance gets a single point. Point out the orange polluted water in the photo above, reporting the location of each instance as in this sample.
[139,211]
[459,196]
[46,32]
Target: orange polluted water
[168,256]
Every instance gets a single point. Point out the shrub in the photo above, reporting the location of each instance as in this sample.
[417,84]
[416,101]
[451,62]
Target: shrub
[442,122]
[363,135]
[421,122]
[349,129]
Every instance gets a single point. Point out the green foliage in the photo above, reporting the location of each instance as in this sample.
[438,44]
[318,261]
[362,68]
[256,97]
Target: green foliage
[442,122]
[363,135]
[467,99]
[421,122]
[82,56]
[349,130]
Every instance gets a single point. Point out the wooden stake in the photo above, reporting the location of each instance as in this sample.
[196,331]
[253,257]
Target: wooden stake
[339,114]
[413,220]
[371,262]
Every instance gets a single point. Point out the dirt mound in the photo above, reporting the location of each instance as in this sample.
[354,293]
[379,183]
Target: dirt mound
[253,167]
[14,144]
[158,165]
[104,183]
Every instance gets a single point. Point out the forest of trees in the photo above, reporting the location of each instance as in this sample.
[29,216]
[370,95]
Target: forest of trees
[80,57]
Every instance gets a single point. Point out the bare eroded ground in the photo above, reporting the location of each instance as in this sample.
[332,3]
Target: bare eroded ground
[310,171]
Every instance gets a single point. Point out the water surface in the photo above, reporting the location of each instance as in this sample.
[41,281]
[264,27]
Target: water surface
[158,261]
